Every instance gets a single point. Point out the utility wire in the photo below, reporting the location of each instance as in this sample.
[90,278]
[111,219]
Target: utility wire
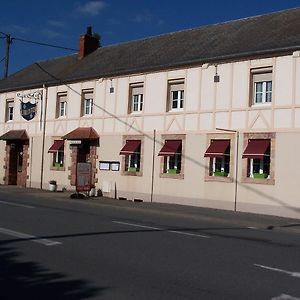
[2,59]
[44,44]
[34,42]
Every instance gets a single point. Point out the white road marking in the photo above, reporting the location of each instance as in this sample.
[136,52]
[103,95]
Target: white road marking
[161,229]
[293,274]
[285,297]
[137,225]
[26,236]
[16,204]
[251,227]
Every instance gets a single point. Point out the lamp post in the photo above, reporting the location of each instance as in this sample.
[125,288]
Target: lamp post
[236,162]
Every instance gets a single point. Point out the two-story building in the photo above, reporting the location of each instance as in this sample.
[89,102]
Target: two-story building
[206,117]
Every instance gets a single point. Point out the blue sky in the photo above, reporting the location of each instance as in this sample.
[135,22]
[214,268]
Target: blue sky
[61,22]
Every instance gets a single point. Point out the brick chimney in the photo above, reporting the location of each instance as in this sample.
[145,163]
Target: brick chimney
[87,43]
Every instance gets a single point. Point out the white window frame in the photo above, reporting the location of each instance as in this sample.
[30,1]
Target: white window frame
[62,105]
[9,114]
[176,103]
[263,78]
[136,98]
[88,102]
[137,102]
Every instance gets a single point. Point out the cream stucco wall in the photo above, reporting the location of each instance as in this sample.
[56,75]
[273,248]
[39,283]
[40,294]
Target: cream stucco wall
[207,105]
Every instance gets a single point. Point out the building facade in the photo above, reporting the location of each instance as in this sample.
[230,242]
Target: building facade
[215,124]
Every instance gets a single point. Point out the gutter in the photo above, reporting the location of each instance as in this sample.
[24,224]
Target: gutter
[44,134]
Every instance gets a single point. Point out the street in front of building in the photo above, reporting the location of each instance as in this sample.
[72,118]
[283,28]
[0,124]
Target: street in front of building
[54,247]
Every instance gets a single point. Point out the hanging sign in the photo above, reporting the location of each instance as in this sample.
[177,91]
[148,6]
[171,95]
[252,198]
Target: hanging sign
[28,109]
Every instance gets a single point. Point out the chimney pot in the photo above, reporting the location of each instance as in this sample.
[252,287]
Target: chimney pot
[89,30]
[87,43]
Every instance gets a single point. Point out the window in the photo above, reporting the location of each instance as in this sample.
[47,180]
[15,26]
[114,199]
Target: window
[219,155]
[9,114]
[262,86]
[57,151]
[61,105]
[136,100]
[132,153]
[176,95]
[172,156]
[257,154]
[87,103]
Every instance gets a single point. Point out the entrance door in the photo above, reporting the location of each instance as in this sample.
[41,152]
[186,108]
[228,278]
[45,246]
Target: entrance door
[83,154]
[15,163]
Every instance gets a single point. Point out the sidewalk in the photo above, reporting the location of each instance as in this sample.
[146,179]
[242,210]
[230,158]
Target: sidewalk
[240,219]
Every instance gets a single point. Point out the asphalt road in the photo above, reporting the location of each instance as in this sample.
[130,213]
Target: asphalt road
[76,249]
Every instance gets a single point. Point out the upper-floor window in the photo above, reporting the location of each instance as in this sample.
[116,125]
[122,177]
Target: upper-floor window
[136,98]
[176,95]
[87,102]
[61,110]
[9,110]
[261,85]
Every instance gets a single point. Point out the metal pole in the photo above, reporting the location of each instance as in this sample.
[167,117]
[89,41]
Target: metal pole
[45,94]
[8,42]
[153,160]
[236,169]
[236,163]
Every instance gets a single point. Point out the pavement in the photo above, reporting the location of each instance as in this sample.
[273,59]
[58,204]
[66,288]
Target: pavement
[224,217]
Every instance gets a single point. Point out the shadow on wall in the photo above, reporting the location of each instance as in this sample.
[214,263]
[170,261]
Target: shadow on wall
[29,280]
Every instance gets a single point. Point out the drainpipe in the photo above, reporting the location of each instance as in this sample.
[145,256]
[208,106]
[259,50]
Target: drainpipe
[236,163]
[44,133]
[153,160]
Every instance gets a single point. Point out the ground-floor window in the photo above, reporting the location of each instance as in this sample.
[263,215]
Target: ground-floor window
[57,151]
[172,154]
[132,156]
[258,157]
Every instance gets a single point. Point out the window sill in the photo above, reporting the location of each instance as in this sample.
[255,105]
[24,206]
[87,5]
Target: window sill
[57,168]
[172,176]
[178,110]
[261,105]
[265,181]
[132,173]
[218,179]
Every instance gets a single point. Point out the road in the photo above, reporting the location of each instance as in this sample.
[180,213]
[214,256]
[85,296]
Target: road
[77,249]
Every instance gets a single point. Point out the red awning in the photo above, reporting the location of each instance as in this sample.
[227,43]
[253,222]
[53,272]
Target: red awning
[82,133]
[57,145]
[170,148]
[15,135]
[256,148]
[217,148]
[130,147]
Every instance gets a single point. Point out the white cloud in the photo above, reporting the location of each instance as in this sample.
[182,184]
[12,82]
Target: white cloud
[13,28]
[52,33]
[57,24]
[143,18]
[92,8]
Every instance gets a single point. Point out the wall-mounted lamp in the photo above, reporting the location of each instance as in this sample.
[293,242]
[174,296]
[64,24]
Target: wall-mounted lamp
[111,89]
[217,76]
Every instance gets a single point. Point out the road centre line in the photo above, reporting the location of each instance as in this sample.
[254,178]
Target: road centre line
[161,229]
[293,274]
[30,237]
[16,204]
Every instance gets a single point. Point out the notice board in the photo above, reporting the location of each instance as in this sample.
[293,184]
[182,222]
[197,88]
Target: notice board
[83,177]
